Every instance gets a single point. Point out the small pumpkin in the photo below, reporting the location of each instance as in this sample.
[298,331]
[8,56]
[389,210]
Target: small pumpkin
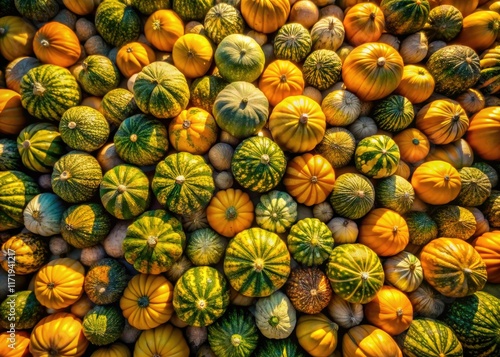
[163,28]
[403,271]
[266,17]
[103,324]
[344,313]
[16,37]
[486,245]
[105,281]
[43,214]
[30,250]
[317,334]
[192,55]
[413,145]
[163,341]
[280,80]
[436,182]
[12,117]
[276,211]
[205,247]
[364,22]
[55,43]
[310,241]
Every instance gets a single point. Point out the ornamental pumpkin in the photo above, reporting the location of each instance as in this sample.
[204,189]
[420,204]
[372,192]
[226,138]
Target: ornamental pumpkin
[310,242]
[405,17]
[327,33]
[483,133]
[275,316]
[292,42]
[309,290]
[205,247]
[12,117]
[163,341]
[105,281]
[43,214]
[57,44]
[163,28]
[459,154]
[427,302]
[22,344]
[417,84]
[364,22]
[396,193]
[344,313]
[487,245]
[403,271]
[343,230]
[353,195]
[223,20]
[117,22]
[16,37]
[192,55]
[393,113]
[369,341]
[309,179]
[279,348]
[80,7]
[479,30]
[377,156]
[281,79]
[413,145]
[192,10]
[132,57]
[30,251]
[147,301]
[341,107]
[265,16]
[103,324]
[436,182]
[454,222]
[276,211]
[117,349]
[337,146]
[317,334]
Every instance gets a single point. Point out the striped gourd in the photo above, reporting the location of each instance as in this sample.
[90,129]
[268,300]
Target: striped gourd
[97,75]
[454,222]
[10,159]
[36,10]
[43,214]
[105,281]
[444,23]
[257,262]
[84,128]
[201,296]
[204,90]
[117,105]
[27,310]
[124,191]
[76,177]
[310,242]
[48,91]
[31,252]
[149,6]
[396,193]
[322,69]
[337,146]
[393,113]
[103,324]
[377,156]
[258,164]
[292,42]
[192,9]
[223,20]
[183,183]
[117,23]
[489,80]
[205,247]
[403,17]
[85,225]
[280,348]
[276,211]
[353,195]
[355,272]
[141,140]
[40,146]
[475,189]
[421,226]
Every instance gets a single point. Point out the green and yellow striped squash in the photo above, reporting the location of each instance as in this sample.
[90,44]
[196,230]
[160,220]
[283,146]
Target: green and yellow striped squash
[105,281]
[221,21]
[141,140]
[97,75]
[47,91]
[276,211]
[475,189]
[117,105]
[393,113]
[310,242]
[444,23]
[38,10]
[258,164]
[117,22]
[455,69]
[43,214]
[183,183]
[10,159]
[161,90]
[489,170]
[491,208]
[204,91]
[31,251]
[322,69]
[454,221]
[421,226]
[154,241]
[377,156]
[205,247]
[292,42]
[40,146]
[257,262]
[190,10]
[76,177]
[475,319]
[201,296]
[124,191]
[430,338]
[396,193]
[355,272]
[337,146]
[27,310]
[280,348]
[85,225]
[84,128]
[16,190]
[489,79]
[103,325]
[234,334]
[353,195]
[147,7]
[404,17]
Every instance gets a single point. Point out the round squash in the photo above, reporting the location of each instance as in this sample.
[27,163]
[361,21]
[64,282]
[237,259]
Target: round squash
[281,79]
[163,28]
[221,21]
[436,182]
[337,146]
[413,145]
[309,290]
[55,43]
[364,22]
[132,57]
[275,316]
[353,195]
[482,134]
[265,16]
[487,246]
[117,22]
[16,37]
[369,341]
[97,75]
[276,211]
[403,271]
[317,334]
[417,84]
[377,156]
[163,341]
[192,55]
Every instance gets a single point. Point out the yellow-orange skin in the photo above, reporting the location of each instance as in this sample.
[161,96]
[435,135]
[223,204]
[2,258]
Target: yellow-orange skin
[317,334]
[57,44]
[364,22]
[163,28]
[16,37]
[193,55]
[436,182]
[483,133]
[281,79]
[488,247]
[163,341]
[133,56]
[12,119]
[369,341]
[413,145]
[265,16]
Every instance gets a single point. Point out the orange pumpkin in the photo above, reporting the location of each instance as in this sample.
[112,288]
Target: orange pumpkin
[479,30]
[21,341]
[163,341]
[81,7]
[193,55]
[458,154]
[364,22]
[317,334]
[472,100]
[417,84]
[114,350]
[133,56]
[12,118]
[281,79]
[265,16]
[384,231]
[369,341]
[297,124]
[230,212]
[372,71]
[16,37]
[163,28]
[390,310]
[488,247]
[309,178]
[57,44]
[483,133]
[436,182]
[403,170]
[465,7]
[413,145]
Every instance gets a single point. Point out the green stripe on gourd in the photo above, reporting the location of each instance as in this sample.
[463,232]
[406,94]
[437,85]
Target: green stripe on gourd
[205,90]
[292,42]
[337,146]
[31,252]
[149,6]
[84,128]
[258,164]
[393,113]
[183,183]
[421,226]
[355,272]
[105,281]
[377,156]
[36,10]
[444,23]
[276,211]
[353,196]
[141,140]
[124,191]
[16,190]
[40,146]
[491,208]
[192,9]
[10,159]
[97,75]
[201,296]
[310,242]
[454,222]
[117,23]
[396,193]
[322,69]
[205,247]
[403,17]
[76,177]
[85,225]
[223,20]
[257,262]
[161,90]
[43,214]
[27,310]
[117,105]
[475,189]
[154,242]
[47,91]
[103,325]
[280,348]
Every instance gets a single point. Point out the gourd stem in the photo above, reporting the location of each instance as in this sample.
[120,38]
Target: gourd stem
[37,216]
[156,25]
[304,118]
[231,213]
[180,179]
[53,352]
[65,175]
[399,312]
[202,304]
[84,65]
[265,159]
[26,144]
[345,223]
[101,289]
[381,61]
[133,138]
[38,89]
[186,124]
[121,188]
[313,292]
[2,30]
[236,340]
[360,194]
[314,179]
[283,78]
[50,286]
[447,178]
[129,49]
[274,321]
[365,275]
[415,141]
[258,265]
[152,241]
[71,125]
[45,43]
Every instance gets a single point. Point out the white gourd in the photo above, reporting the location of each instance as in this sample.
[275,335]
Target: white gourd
[344,313]
[43,214]
[275,316]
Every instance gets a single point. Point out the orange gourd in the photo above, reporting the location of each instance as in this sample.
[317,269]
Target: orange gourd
[309,178]
[436,182]
[81,7]
[115,350]
[16,37]
[384,231]
[488,247]
[466,7]
[265,16]
[413,145]
[403,170]
[12,118]
[163,341]
[133,56]
[417,84]
[230,212]
[163,28]
[390,310]
[369,341]
[281,79]
[317,334]
[57,44]
[472,100]
[458,154]
[364,22]
[479,30]
[193,55]
[21,341]
[483,133]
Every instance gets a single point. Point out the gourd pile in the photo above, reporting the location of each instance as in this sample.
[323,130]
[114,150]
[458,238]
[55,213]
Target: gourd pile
[249,178]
